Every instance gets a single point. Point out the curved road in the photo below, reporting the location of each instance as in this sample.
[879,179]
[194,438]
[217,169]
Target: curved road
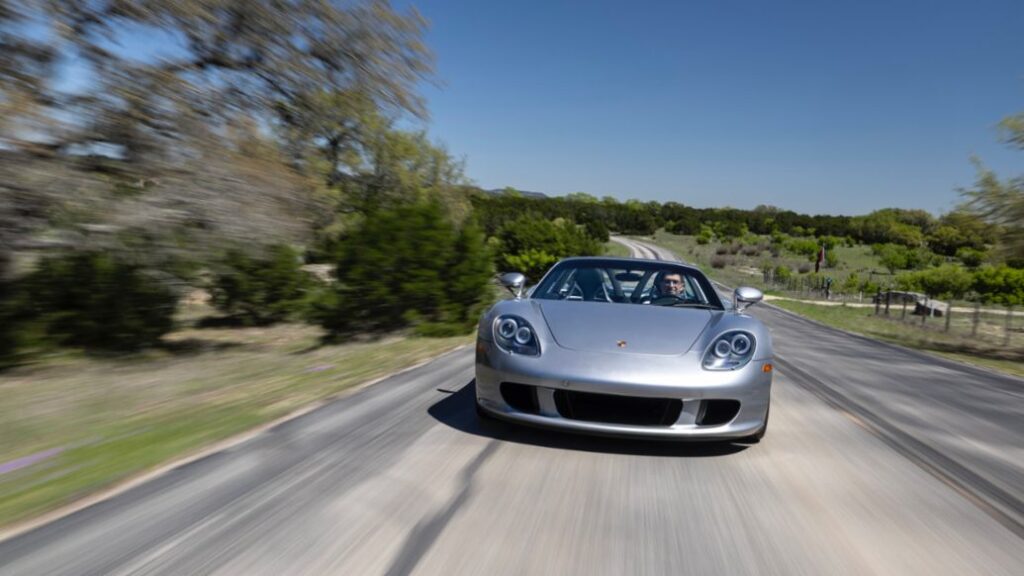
[878,461]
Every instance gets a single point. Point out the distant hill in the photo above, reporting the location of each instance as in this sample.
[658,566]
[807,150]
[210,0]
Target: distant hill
[499,191]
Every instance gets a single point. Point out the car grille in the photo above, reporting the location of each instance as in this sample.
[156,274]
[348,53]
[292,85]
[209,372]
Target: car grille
[614,409]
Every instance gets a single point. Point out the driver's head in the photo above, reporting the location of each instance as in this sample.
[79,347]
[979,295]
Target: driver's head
[671,284]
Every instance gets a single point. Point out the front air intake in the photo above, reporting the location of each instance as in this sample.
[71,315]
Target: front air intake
[615,409]
[520,397]
[717,412]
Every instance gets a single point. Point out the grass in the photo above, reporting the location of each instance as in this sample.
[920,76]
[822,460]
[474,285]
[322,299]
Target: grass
[987,352]
[115,418]
[615,249]
[746,270]
[987,348]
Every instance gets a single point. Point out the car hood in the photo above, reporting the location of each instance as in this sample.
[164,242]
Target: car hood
[604,327]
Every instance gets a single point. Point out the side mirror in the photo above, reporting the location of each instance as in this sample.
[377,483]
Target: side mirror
[745,296]
[514,281]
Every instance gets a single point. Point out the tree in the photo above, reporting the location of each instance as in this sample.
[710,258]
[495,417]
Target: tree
[947,281]
[262,289]
[530,244]
[1001,202]
[1000,285]
[406,265]
[153,151]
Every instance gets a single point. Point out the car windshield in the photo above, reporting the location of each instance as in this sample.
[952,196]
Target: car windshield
[651,283]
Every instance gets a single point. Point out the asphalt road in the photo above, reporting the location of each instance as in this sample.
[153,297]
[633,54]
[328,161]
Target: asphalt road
[400,478]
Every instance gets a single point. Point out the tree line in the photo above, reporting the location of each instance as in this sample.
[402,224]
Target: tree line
[273,135]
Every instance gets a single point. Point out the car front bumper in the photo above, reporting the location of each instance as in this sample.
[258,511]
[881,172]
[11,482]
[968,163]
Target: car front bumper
[559,374]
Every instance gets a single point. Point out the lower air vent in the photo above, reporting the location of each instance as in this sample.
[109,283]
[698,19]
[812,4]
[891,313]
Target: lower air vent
[520,396]
[717,412]
[614,409]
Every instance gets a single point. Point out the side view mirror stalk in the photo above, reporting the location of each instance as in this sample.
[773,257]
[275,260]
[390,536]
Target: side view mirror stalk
[745,296]
[514,281]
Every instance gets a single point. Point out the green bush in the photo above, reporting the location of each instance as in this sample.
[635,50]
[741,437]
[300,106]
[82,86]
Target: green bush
[8,324]
[898,257]
[407,266]
[261,290]
[970,257]
[803,246]
[999,285]
[831,258]
[782,273]
[946,281]
[98,301]
[531,244]
[597,230]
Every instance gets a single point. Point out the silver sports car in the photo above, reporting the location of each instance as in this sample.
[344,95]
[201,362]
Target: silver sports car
[622,346]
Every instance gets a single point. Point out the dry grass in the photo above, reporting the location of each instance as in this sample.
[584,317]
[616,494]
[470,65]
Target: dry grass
[112,418]
[987,350]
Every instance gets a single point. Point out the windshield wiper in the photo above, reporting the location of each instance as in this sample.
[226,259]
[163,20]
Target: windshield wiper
[700,305]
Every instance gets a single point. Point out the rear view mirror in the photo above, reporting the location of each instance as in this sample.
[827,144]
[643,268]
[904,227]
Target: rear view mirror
[514,281]
[745,296]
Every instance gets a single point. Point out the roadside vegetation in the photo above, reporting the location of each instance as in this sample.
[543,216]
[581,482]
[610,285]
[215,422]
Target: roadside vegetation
[989,348]
[86,422]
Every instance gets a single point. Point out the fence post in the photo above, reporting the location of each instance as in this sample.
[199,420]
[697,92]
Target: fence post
[1009,319]
[888,298]
[928,310]
[949,312]
[903,315]
[977,318]
[878,301]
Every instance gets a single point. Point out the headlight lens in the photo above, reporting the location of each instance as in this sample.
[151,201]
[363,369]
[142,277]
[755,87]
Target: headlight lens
[730,351]
[513,334]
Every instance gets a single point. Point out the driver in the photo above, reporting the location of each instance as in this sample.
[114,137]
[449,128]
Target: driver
[667,284]
[671,284]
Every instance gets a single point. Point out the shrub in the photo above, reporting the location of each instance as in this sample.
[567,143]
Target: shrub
[8,326]
[970,257]
[97,301]
[946,281]
[531,244]
[803,246]
[597,230]
[831,259]
[851,284]
[261,290]
[751,250]
[407,266]
[804,268]
[705,235]
[734,248]
[719,261]
[782,274]
[721,250]
[999,285]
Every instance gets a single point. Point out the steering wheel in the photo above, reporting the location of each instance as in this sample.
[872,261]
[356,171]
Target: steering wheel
[666,300]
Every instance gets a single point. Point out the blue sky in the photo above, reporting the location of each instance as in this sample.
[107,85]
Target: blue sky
[820,107]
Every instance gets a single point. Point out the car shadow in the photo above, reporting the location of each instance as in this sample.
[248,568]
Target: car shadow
[458,410]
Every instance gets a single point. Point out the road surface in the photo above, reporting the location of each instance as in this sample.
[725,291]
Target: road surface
[877,461]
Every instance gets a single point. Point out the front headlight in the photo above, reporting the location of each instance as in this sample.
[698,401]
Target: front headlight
[730,351]
[513,334]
